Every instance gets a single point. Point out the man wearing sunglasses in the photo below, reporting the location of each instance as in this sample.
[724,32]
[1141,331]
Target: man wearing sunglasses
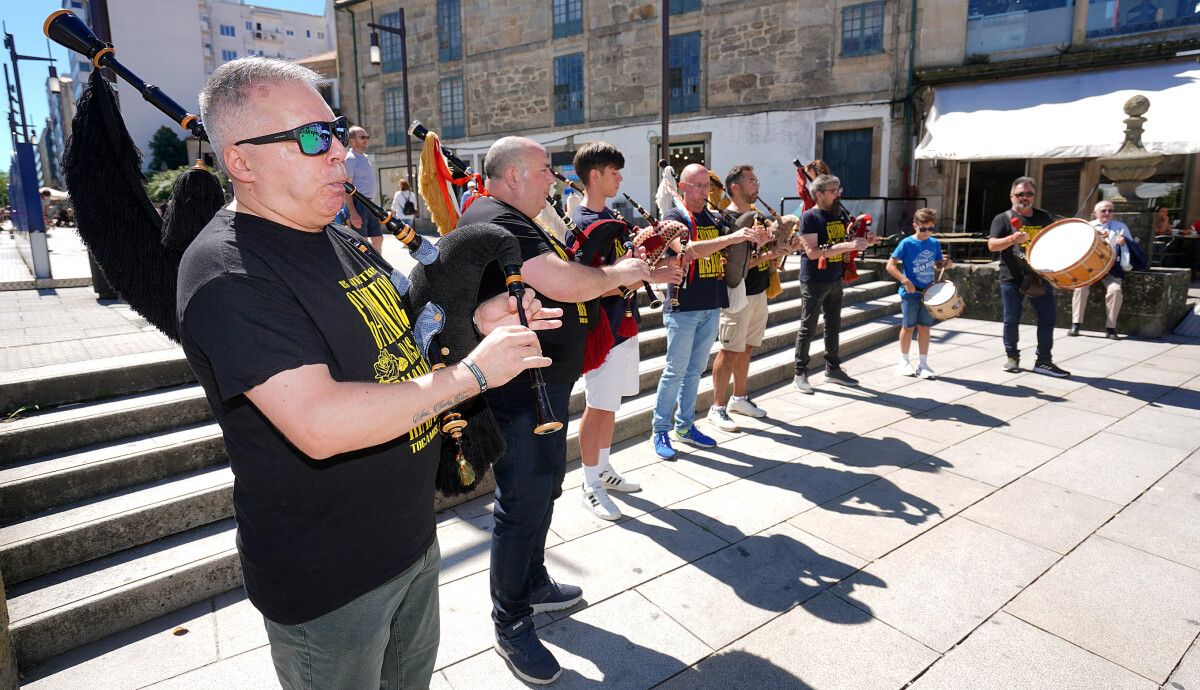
[362,176]
[291,325]
[1009,235]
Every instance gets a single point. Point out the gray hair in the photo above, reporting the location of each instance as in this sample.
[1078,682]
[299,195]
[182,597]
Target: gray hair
[507,152]
[228,89]
[824,183]
[1022,181]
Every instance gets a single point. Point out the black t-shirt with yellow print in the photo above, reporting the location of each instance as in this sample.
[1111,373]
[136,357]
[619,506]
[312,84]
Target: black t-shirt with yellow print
[256,298]
[830,229]
[706,277]
[1011,268]
[565,345]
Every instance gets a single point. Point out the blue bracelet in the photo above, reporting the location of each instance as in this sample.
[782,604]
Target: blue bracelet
[474,368]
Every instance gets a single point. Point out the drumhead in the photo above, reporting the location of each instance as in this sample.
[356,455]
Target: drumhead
[1062,244]
[939,293]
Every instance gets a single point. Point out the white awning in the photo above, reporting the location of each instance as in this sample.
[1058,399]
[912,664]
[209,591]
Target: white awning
[1074,115]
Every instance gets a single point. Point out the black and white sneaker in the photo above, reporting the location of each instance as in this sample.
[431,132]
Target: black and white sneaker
[596,499]
[800,381]
[839,375]
[526,656]
[615,482]
[554,597]
[1012,365]
[1051,369]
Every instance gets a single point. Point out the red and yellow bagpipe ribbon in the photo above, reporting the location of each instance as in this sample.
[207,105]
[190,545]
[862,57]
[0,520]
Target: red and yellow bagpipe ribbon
[436,182]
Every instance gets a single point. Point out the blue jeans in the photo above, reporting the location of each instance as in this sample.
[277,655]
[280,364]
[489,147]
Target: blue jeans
[1011,298]
[690,336]
[914,313]
[528,478]
[386,638]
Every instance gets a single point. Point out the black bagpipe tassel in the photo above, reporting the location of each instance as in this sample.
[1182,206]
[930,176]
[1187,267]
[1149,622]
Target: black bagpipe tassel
[195,199]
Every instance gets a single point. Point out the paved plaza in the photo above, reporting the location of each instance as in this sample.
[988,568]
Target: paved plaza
[984,530]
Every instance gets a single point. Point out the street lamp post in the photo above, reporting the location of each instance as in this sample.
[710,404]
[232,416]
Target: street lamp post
[377,59]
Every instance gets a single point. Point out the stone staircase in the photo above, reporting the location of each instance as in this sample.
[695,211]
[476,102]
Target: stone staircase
[116,499]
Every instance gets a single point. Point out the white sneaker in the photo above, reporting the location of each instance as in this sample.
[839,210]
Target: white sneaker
[924,372]
[596,499]
[612,481]
[720,419]
[743,406]
[905,368]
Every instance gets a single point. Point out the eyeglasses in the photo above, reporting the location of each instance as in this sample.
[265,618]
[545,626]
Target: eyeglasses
[835,190]
[314,138]
[1023,195]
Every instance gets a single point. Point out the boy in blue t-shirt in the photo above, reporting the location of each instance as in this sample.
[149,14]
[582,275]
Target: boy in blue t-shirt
[919,256]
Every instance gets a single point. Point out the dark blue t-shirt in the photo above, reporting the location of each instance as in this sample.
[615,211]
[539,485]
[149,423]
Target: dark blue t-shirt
[917,259]
[706,277]
[830,229]
[613,307]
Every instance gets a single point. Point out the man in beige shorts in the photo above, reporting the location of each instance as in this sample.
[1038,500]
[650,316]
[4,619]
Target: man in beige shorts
[741,331]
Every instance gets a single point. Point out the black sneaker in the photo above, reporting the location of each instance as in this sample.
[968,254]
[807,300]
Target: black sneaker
[1012,364]
[554,597]
[1051,369]
[1111,334]
[1074,330]
[839,375]
[525,654]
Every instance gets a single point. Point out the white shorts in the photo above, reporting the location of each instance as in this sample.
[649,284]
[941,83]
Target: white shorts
[618,376]
[746,327]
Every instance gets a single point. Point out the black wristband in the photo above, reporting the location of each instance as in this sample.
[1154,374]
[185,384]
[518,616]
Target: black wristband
[474,369]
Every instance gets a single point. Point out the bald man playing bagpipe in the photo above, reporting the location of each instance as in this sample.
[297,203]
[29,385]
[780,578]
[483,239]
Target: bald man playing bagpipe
[291,324]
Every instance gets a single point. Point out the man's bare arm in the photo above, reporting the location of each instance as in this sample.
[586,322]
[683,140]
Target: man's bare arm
[567,281]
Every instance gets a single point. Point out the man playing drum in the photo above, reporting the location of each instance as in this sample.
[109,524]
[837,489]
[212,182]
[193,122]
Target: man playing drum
[913,263]
[1117,234]
[1010,230]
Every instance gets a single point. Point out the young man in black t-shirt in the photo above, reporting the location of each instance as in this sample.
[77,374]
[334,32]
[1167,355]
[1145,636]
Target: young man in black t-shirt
[599,164]
[291,326]
[692,326]
[530,474]
[1009,236]
[823,234]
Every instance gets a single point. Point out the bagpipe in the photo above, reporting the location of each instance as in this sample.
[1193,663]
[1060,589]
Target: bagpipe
[465,252]
[139,253]
[856,227]
[661,237]
[802,181]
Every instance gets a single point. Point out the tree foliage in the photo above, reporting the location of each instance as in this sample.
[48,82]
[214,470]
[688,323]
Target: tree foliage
[159,184]
[167,150]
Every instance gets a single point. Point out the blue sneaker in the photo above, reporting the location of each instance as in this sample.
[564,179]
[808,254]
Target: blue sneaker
[554,597]
[525,654]
[662,446]
[694,437]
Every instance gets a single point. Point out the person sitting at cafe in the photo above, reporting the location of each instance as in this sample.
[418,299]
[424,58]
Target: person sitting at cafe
[1162,221]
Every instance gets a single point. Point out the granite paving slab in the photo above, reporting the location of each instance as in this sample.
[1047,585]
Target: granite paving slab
[1107,398]
[883,448]
[823,643]
[1187,675]
[466,547]
[251,670]
[1058,425]
[948,423]
[1162,428]
[611,561]
[1006,652]
[942,585]
[1114,468]
[714,467]
[855,418]
[1043,514]
[1181,401]
[1007,402]
[661,486]
[1191,465]
[727,594]
[1131,607]
[625,642]
[874,519]
[1164,521]
[750,505]
[993,457]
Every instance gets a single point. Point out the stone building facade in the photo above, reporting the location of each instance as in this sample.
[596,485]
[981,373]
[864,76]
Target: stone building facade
[756,82]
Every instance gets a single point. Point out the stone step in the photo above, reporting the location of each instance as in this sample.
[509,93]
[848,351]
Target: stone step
[42,483]
[152,551]
[84,603]
[95,379]
[100,526]
[84,424]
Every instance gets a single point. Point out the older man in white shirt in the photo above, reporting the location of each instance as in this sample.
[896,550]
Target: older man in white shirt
[1118,235]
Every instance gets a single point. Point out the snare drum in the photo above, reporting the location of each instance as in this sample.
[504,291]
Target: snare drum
[943,301]
[1071,254]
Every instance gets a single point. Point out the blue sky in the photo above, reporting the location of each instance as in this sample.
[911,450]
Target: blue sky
[24,18]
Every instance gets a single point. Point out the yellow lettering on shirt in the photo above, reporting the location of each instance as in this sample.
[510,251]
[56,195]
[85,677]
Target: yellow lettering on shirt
[836,230]
[710,266]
